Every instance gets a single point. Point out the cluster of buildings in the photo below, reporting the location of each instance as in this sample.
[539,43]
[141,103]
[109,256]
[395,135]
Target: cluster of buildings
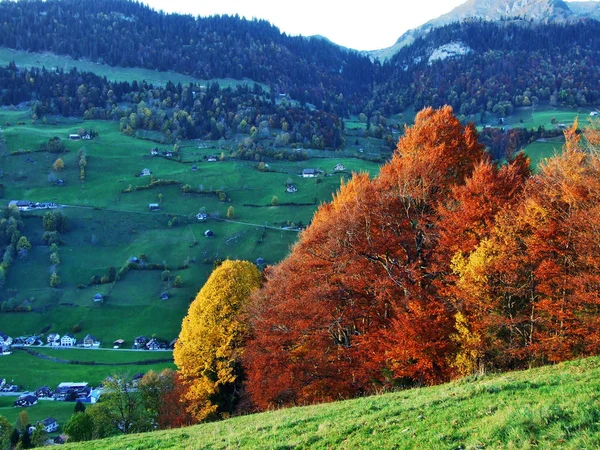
[26,205]
[156,152]
[68,340]
[64,392]
[143,343]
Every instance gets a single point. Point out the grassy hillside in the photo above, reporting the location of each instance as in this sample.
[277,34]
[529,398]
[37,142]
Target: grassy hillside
[114,73]
[550,407]
[109,226]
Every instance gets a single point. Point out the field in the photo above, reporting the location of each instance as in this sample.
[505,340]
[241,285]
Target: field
[113,73]
[42,372]
[540,150]
[551,407]
[110,223]
[61,411]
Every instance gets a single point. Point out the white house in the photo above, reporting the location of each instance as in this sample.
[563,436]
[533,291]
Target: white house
[50,424]
[145,172]
[68,340]
[594,113]
[339,167]
[309,173]
[53,339]
[74,137]
[5,339]
[90,341]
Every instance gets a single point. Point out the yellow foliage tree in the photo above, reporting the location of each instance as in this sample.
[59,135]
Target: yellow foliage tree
[208,350]
[58,165]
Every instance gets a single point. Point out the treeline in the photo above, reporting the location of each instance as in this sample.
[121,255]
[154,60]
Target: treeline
[130,34]
[445,265]
[509,65]
[179,111]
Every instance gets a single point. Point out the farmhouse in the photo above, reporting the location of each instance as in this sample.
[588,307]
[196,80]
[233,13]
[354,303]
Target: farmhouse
[98,298]
[50,424]
[153,206]
[154,151]
[61,439]
[33,340]
[153,344]
[209,233]
[172,343]
[53,339]
[68,340]
[21,205]
[90,341]
[43,392]
[339,167]
[164,296]
[594,113]
[145,172]
[169,154]
[309,173]
[26,400]
[291,189]
[72,391]
[118,343]
[74,137]
[5,350]
[5,339]
[140,341]
[211,158]
[201,216]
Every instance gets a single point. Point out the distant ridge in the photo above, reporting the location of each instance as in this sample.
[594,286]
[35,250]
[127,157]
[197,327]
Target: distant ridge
[536,11]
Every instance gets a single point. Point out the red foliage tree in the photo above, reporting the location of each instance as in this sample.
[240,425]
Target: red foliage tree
[355,304]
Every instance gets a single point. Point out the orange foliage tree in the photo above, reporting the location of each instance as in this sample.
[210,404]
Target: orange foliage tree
[356,305]
[538,273]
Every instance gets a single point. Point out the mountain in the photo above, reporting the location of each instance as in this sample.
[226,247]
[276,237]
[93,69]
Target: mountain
[130,34]
[545,11]
[536,11]
[589,10]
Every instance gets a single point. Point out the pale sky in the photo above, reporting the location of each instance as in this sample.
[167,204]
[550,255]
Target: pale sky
[364,25]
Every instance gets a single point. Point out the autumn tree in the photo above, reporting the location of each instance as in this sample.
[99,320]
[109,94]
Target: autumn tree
[58,165]
[156,390]
[537,273]
[230,212]
[209,347]
[173,411]
[466,219]
[355,305]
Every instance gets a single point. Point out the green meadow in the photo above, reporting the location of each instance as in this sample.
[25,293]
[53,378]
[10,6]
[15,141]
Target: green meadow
[114,73]
[61,411]
[550,407]
[31,372]
[110,222]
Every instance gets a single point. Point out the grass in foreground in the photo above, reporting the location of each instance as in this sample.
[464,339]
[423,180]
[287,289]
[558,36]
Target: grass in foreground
[550,407]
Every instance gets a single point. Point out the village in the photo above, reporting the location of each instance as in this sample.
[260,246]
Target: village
[68,340]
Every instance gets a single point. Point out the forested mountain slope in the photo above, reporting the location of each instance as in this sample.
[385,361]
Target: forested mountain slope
[131,34]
